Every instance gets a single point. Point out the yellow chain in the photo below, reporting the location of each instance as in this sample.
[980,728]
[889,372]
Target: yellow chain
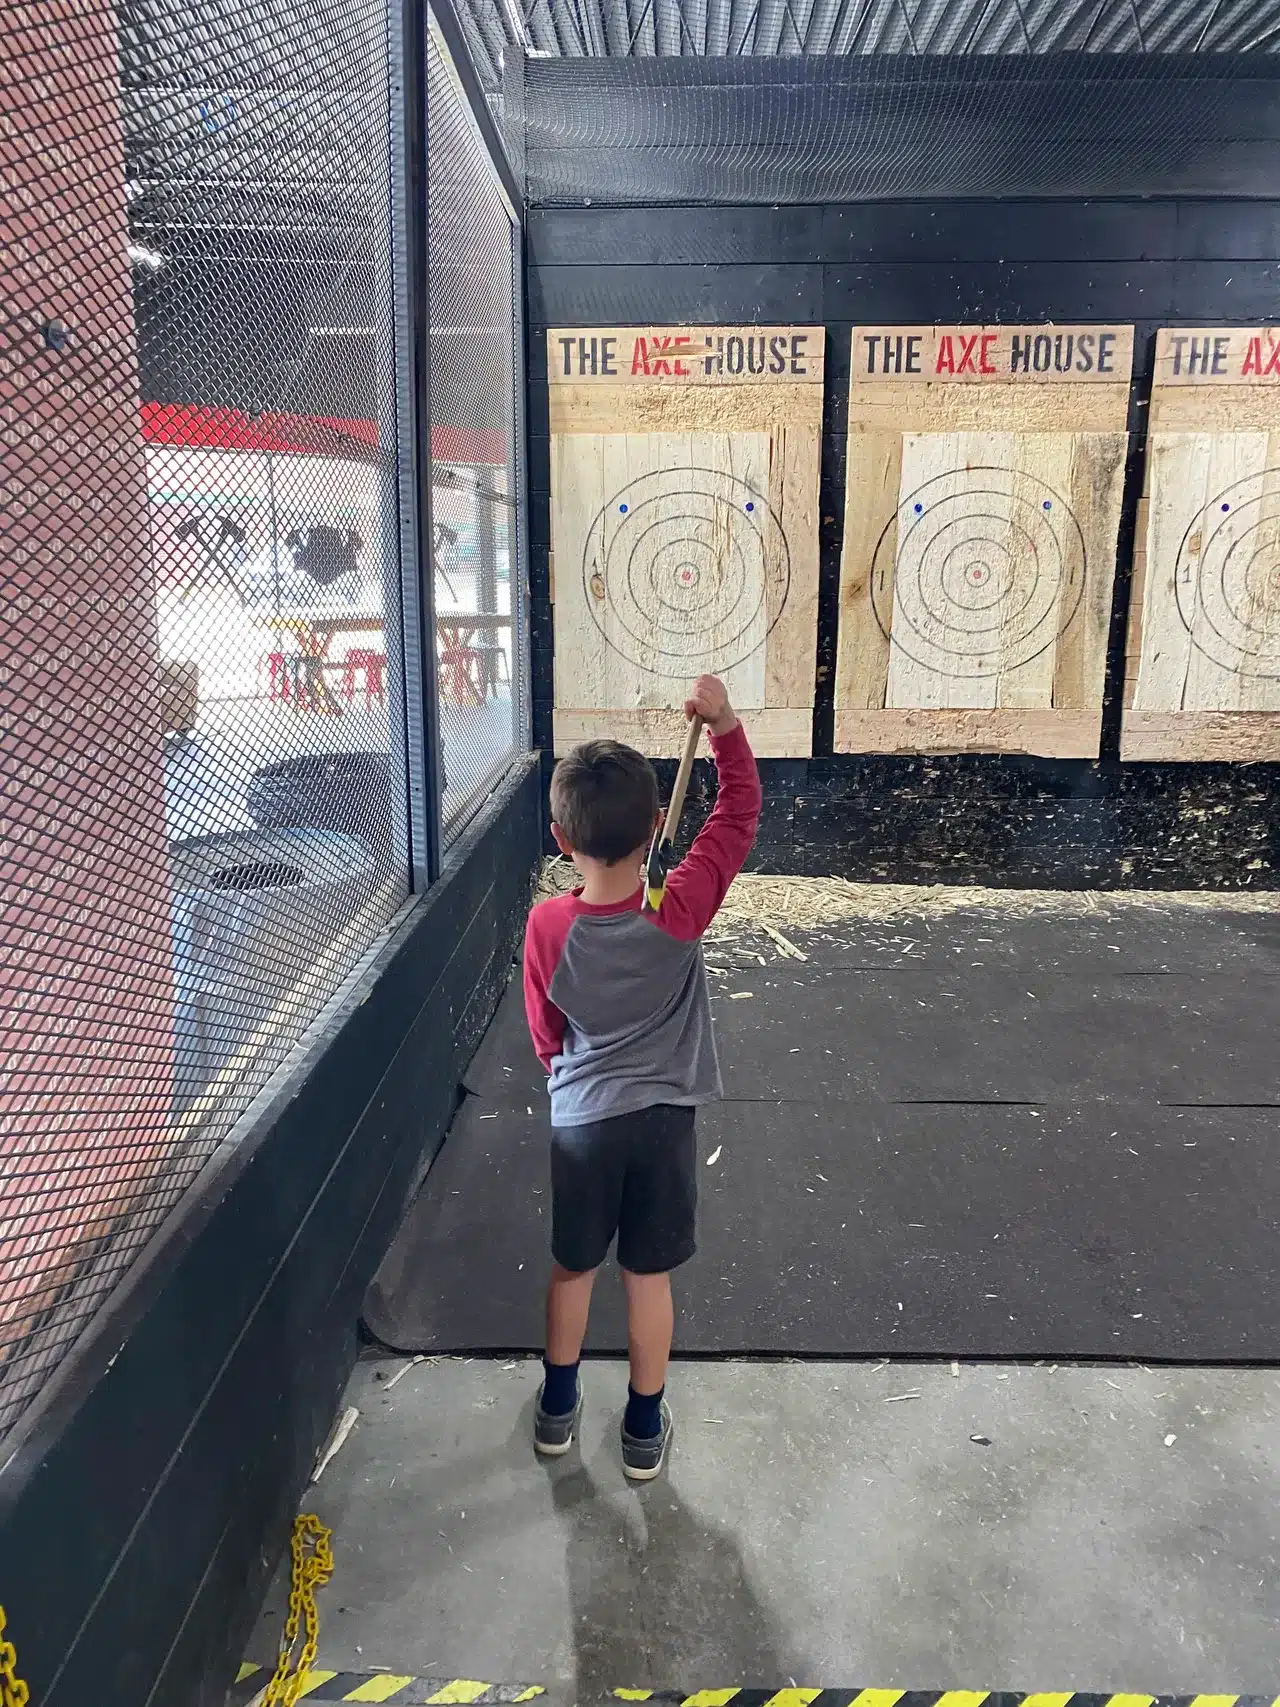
[13,1691]
[312,1568]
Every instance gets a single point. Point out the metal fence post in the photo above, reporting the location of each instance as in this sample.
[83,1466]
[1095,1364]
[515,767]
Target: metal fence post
[413,372]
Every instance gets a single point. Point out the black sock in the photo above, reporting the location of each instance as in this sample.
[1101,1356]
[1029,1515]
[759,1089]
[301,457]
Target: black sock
[559,1388]
[643,1420]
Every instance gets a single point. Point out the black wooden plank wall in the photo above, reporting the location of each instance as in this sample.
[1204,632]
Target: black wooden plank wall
[987,819]
[143,1509]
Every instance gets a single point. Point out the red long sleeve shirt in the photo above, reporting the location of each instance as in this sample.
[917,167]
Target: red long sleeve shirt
[616,996]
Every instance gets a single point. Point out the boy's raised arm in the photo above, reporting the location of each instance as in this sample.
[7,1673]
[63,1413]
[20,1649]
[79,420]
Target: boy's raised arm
[697,887]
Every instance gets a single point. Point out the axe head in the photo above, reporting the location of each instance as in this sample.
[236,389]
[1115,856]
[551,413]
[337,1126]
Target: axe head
[656,866]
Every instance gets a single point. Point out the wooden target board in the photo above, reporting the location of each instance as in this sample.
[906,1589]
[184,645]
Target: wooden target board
[684,529]
[1203,669]
[982,506]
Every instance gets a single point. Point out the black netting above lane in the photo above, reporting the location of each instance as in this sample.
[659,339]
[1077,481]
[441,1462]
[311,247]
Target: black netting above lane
[826,129]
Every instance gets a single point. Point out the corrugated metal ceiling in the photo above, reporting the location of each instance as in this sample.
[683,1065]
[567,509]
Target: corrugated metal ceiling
[775,28]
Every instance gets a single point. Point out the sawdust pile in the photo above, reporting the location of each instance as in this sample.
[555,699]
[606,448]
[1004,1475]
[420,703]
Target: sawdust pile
[771,904]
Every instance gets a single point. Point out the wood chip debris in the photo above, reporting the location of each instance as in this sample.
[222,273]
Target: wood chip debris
[400,1374]
[336,1441]
[777,905]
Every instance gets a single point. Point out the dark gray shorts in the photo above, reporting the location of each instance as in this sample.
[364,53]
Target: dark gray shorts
[635,1176]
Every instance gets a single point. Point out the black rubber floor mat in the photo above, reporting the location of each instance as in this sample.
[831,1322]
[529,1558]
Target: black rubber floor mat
[795,1031]
[841,1228]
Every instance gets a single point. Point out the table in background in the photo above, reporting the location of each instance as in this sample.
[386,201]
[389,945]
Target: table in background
[457,631]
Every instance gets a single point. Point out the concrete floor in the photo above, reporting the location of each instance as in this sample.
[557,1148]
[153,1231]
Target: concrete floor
[1118,1532]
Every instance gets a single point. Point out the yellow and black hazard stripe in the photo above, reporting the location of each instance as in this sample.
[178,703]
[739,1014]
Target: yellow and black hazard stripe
[321,1685]
[328,1686]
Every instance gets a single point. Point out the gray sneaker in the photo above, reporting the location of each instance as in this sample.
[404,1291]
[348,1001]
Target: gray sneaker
[553,1436]
[642,1460]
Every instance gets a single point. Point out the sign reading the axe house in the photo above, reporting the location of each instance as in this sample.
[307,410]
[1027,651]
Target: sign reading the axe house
[696,355]
[996,355]
[985,473]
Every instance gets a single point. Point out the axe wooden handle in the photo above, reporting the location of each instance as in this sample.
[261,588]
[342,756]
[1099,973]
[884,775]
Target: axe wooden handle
[655,866]
[681,786]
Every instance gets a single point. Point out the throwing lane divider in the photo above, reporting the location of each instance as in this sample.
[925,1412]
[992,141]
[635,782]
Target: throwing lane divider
[324,1686]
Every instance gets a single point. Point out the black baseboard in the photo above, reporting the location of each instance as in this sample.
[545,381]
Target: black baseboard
[150,1494]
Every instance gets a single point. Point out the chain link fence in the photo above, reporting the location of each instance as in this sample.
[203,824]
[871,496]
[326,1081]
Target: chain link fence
[206,742]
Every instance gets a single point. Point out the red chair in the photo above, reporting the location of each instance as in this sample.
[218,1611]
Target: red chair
[374,665]
[278,681]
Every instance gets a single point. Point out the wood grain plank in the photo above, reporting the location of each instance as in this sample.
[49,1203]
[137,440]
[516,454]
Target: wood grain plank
[873,476]
[1050,733]
[790,654]
[1094,479]
[1224,409]
[607,408]
[774,734]
[899,407]
[1237,737]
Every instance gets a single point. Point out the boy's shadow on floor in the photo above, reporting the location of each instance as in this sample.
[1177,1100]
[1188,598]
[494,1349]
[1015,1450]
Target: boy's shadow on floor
[670,1607]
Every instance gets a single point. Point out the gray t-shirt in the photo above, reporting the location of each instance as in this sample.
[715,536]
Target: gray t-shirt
[616,995]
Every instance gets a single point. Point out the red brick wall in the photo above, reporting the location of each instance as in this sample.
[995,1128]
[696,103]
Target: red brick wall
[85,984]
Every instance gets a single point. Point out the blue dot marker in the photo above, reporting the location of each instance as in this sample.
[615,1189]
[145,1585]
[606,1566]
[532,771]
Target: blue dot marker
[1226,506]
[751,506]
[623,508]
[919,509]
[1047,504]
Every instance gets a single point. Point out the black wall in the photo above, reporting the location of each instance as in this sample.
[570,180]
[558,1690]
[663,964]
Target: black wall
[988,819]
[151,1492]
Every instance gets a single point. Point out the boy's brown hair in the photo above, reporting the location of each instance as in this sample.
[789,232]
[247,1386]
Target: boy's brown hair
[604,797]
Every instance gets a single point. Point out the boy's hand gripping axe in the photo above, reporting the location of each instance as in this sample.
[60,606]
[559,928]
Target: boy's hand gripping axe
[658,862]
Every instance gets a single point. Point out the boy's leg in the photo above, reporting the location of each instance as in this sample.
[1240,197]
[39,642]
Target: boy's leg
[656,1233]
[586,1190]
[650,1324]
[560,1401]
[568,1304]
[646,1423]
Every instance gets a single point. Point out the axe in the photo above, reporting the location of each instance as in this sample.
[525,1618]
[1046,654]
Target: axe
[658,862]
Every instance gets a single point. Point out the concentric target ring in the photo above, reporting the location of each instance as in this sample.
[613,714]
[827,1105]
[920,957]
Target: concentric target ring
[686,569]
[978,572]
[1227,577]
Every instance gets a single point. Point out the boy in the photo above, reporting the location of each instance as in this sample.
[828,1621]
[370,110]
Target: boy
[618,1008]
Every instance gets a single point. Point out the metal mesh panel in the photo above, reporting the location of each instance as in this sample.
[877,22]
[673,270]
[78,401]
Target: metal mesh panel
[474,522]
[200,648]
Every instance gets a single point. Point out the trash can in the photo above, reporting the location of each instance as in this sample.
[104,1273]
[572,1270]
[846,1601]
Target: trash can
[252,911]
[347,792]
